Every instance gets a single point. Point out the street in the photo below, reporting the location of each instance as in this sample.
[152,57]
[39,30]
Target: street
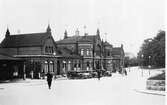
[115,90]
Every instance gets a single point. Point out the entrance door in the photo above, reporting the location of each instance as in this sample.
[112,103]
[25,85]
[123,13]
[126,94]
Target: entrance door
[58,67]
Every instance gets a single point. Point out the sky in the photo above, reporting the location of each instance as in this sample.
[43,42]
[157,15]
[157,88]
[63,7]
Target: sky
[126,22]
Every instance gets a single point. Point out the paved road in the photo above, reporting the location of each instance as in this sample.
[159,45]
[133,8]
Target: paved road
[115,90]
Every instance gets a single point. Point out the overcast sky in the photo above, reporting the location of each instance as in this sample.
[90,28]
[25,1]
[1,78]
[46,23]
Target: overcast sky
[125,21]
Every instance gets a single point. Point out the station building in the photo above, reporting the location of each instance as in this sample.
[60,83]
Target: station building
[35,54]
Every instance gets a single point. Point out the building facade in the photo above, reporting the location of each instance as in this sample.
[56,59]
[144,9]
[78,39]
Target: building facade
[35,54]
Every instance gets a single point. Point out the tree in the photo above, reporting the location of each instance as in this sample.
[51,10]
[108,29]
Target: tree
[130,61]
[155,48]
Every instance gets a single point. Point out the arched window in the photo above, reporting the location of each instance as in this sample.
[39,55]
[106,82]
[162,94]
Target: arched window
[46,67]
[69,65]
[51,66]
[64,64]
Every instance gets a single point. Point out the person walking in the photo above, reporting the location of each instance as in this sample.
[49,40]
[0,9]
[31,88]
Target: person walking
[125,73]
[49,79]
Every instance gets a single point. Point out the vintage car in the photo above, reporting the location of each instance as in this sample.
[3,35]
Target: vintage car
[79,74]
[107,73]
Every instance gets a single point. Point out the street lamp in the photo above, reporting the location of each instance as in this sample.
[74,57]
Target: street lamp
[149,66]
[142,65]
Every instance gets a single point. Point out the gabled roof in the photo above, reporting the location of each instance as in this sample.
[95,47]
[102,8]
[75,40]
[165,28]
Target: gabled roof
[107,43]
[24,40]
[74,39]
[85,39]
[116,51]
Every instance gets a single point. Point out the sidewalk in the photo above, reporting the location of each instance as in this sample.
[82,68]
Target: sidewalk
[140,82]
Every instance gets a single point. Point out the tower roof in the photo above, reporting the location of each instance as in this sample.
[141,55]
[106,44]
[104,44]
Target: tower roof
[7,32]
[48,29]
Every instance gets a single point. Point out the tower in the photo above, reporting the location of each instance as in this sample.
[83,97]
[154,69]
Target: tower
[7,33]
[77,32]
[98,32]
[48,30]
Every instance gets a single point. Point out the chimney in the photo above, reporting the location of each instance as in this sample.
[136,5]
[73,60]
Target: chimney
[121,45]
[77,32]
[65,34]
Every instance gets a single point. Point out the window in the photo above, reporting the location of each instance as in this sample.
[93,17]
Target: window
[49,49]
[46,67]
[51,66]
[87,52]
[46,49]
[52,50]
[108,53]
[79,64]
[91,52]
[87,63]
[82,51]
[64,64]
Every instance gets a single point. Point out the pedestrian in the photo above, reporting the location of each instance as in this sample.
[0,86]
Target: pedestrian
[49,79]
[98,74]
[125,72]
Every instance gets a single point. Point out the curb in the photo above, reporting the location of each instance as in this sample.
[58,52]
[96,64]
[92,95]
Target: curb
[149,92]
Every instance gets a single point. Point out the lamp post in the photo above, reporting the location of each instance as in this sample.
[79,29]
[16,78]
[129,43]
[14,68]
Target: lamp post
[142,65]
[149,57]
[149,66]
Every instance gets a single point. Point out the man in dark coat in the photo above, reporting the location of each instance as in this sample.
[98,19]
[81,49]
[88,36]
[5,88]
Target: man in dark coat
[49,79]
[125,72]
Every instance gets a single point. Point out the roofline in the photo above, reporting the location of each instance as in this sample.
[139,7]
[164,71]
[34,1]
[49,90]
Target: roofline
[24,46]
[29,33]
[65,43]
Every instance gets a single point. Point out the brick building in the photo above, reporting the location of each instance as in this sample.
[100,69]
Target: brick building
[35,54]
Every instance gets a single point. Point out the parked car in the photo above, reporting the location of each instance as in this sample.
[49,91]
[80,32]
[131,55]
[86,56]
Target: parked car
[107,73]
[85,75]
[94,74]
[79,74]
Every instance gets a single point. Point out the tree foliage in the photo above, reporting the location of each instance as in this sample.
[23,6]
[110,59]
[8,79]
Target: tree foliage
[155,48]
[130,61]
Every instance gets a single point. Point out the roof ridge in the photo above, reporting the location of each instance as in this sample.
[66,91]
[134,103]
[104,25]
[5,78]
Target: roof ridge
[29,34]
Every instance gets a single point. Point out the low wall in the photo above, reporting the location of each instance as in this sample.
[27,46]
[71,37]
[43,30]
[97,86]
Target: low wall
[156,85]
